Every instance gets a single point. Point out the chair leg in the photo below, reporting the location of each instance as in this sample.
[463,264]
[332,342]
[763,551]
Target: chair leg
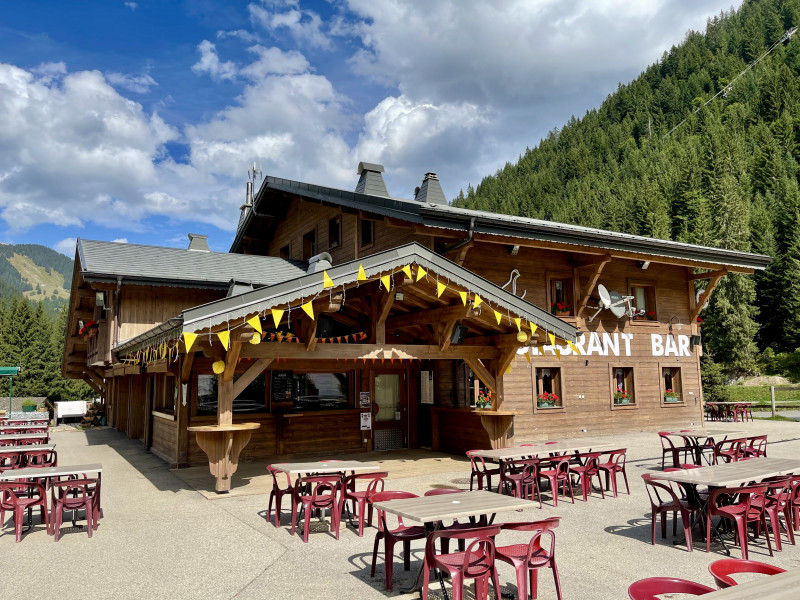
[426,580]
[375,547]
[653,527]
[294,517]
[406,555]
[388,547]
[306,524]
[522,582]
[556,578]
[269,505]
[687,528]
[627,487]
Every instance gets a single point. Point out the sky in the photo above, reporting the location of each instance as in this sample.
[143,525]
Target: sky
[138,121]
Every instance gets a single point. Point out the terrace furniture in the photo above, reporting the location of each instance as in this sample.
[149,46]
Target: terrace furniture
[653,587]
[73,494]
[757,446]
[455,524]
[40,458]
[520,478]
[590,469]
[559,477]
[22,439]
[476,562]
[669,447]
[742,512]
[775,587]
[729,450]
[663,500]
[528,558]
[721,570]
[777,501]
[795,502]
[10,460]
[277,493]
[480,471]
[315,493]
[19,496]
[402,533]
[360,500]
[615,464]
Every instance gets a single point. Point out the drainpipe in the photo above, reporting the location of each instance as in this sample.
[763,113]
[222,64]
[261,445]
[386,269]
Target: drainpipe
[463,242]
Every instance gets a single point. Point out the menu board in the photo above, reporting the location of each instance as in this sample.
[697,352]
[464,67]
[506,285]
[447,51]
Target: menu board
[282,390]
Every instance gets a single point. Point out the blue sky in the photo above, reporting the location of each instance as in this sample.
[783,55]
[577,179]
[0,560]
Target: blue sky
[137,121]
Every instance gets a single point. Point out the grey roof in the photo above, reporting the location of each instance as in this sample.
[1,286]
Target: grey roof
[450,217]
[105,261]
[309,285]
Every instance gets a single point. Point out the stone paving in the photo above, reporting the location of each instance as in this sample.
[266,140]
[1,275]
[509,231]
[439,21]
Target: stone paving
[160,538]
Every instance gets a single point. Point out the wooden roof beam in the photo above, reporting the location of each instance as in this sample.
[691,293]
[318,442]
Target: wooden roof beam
[593,279]
[455,311]
[704,298]
[708,274]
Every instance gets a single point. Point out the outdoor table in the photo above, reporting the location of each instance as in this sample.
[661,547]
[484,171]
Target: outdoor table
[43,427]
[431,510]
[692,436]
[568,446]
[731,474]
[771,587]
[325,467]
[14,439]
[26,448]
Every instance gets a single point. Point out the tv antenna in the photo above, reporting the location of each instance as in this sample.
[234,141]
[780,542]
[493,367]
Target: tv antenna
[618,304]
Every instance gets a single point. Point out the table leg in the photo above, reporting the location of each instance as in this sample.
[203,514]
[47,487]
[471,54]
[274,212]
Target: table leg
[416,586]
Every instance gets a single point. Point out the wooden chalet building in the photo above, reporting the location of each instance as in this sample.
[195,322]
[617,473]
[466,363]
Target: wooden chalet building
[349,321]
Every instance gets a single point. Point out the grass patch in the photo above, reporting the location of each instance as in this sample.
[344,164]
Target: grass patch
[760,395]
[775,418]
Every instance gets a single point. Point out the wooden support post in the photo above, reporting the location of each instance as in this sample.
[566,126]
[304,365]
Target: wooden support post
[381,314]
[704,298]
[772,398]
[225,386]
[447,333]
[593,278]
[482,373]
[186,367]
[248,376]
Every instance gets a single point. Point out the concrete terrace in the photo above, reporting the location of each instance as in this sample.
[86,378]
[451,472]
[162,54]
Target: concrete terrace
[162,538]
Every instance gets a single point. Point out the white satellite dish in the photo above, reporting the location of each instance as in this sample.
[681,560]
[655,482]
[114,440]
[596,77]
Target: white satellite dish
[699,295]
[618,304]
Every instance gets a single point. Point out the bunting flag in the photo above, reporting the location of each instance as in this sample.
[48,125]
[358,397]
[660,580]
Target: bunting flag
[558,352]
[407,271]
[308,308]
[188,340]
[277,315]
[225,338]
[463,297]
[386,281]
[361,275]
[528,357]
[327,282]
[540,349]
[256,339]
[574,348]
[498,316]
[255,323]
[508,370]
[477,302]
[518,323]
[440,288]
[218,367]
[552,339]
[534,327]
[421,273]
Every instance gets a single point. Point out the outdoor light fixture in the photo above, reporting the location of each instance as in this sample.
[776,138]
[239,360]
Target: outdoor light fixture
[522,337]
[399,296]
[513,250]
[695,340]
[643,264]
[458,335]
[100,299]
[680,325]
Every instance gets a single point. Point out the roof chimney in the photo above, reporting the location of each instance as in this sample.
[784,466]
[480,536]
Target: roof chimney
[430,190]
[319,262]
[198,242]
[371,181]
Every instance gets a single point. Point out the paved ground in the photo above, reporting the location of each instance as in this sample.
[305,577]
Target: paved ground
[160,538]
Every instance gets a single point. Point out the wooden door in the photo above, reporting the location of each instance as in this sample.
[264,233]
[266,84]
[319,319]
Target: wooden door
[389,410]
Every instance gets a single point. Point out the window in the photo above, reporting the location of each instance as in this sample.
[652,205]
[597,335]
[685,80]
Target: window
[561,291]
[310,391]
[164,393]
[672,390]
[206,395]
[309,244]
[644,299]
[548,388]
[285,252]
[367,232]
[251,400]
[334,233]
[622,388]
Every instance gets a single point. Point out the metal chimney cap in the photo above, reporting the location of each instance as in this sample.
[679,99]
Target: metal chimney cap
[319,262]
[365,166]
[198,242]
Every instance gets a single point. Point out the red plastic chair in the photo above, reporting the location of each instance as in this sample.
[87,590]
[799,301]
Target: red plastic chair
[778,500]
[663,500]
[323,494]
[795,500]
[390,537]
[480,471]
[742,512]
[669,447]
[559,477]
[757,446]
[476,562]
[277,494]
[590,469]
[653,587]
[10,461]
[360,498]
[729,450]
[722,570]
[73,494]
[528,558]
[19,496]
[40,458]
[520,478]
[615,464]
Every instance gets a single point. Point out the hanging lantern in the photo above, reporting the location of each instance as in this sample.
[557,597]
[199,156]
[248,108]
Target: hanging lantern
[218,366]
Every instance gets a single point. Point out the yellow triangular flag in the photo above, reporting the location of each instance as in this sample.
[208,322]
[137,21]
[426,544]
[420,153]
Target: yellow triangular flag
[518,323]
[361,275]
[498,316]
[463,297]
[528,357]
[308,307]
[552,339]
[534,327]
[440,288]
[558,352]
[188,340]
[477,301]
[540,349]
[277,315]
[386,280]
[327,282]
[508,370]
[574,348]
[255,323]
[421,273]
[407,270]
[224,337]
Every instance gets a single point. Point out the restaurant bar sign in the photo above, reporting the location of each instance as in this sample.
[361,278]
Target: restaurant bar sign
[619,344]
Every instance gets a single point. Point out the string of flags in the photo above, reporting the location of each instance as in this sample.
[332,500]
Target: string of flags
[161,348]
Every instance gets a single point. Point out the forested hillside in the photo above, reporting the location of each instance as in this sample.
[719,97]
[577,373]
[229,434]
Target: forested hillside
[727,177]
[37,272]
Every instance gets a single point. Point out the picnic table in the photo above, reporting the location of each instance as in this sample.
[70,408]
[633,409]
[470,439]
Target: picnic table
[26,448]
[773,587]
[430,510]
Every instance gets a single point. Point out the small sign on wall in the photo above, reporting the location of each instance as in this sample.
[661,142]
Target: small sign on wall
[426,387]
[366,421]
[364,400]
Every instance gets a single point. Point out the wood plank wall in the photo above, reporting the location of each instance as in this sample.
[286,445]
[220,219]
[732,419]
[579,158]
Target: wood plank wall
[143,306]
[165,439]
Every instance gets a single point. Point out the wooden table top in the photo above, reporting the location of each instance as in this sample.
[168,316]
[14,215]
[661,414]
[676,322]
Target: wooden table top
[428,509]
[21,436]
[44,418]
[223,428]
[325,467]
[733,474]
[706,432]
[766,587]
[28,448]
[65,470]
[35,425]
[543,448]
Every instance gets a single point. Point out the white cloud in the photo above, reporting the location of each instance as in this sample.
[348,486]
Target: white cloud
[131,5]
[139,84]
[304,26]
[274,61]
[120,240]
[209,63]
[242,34]
[66,246]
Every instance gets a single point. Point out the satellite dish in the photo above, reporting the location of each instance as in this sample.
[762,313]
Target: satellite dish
[617,307]
[605,297]
[697,297]
[618,304]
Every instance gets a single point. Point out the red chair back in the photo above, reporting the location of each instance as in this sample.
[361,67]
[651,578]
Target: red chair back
[652,487]
[40,458]
[384,497]
[652,587]
[441,491]
[722,570]
[539,528]
[479,555]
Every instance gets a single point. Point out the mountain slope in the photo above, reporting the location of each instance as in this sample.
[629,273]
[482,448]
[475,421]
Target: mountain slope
[37,272]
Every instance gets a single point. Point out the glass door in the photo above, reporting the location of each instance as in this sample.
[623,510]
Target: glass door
[389,412]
